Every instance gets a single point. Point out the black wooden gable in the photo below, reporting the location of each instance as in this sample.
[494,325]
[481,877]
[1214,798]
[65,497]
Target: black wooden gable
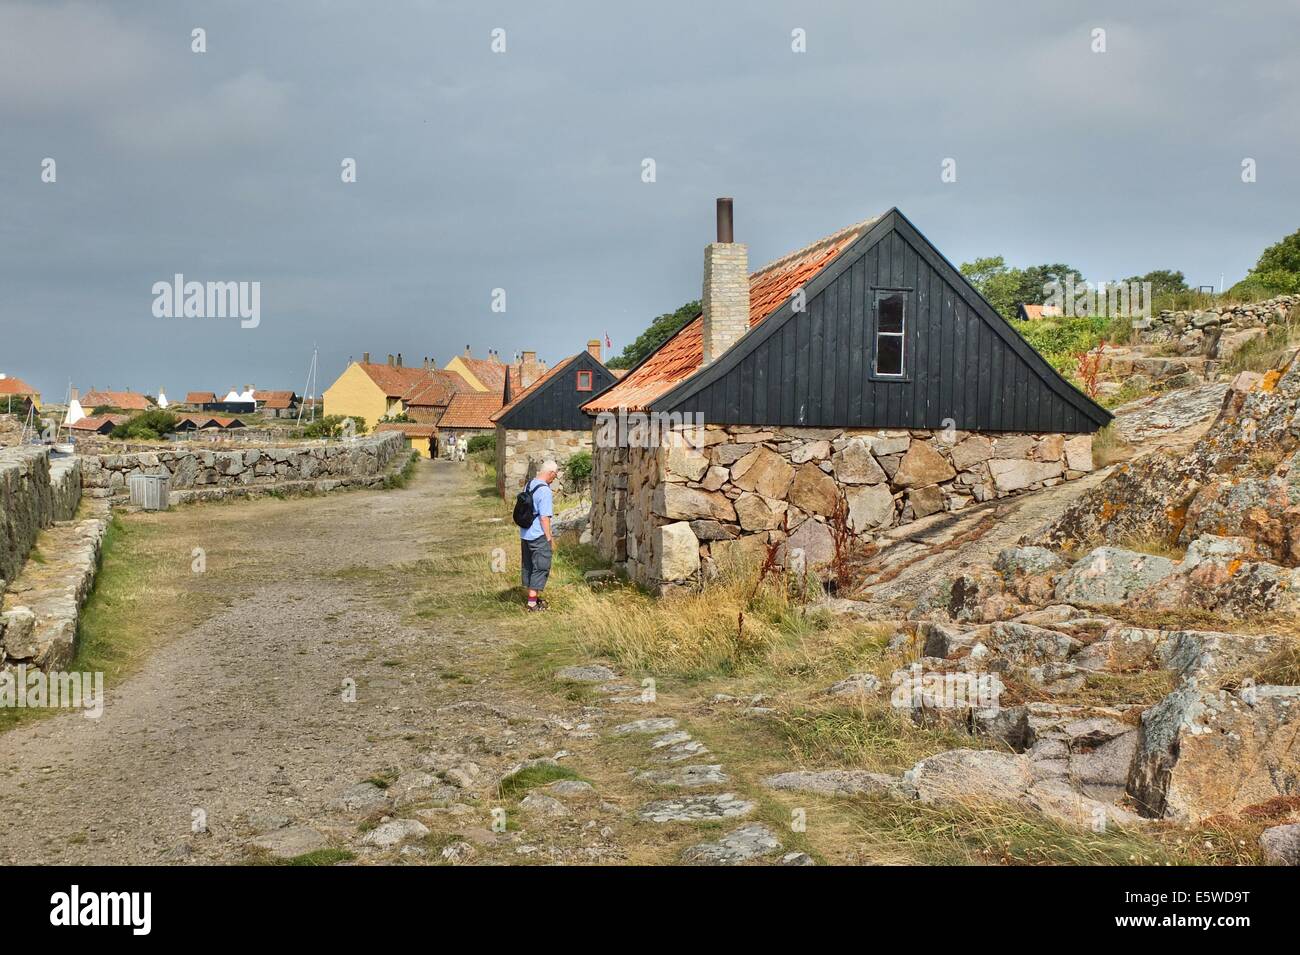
[555,403]
[963,366]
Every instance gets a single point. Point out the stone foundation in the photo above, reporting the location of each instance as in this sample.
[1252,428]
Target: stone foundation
[672,513]
[519,450]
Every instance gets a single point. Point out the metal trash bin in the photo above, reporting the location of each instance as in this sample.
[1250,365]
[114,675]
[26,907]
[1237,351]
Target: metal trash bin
[150,491]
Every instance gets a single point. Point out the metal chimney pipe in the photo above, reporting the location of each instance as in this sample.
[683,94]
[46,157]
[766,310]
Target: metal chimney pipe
[726,230]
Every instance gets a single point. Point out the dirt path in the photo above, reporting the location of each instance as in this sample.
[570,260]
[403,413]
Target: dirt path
[234,741]
[242,719]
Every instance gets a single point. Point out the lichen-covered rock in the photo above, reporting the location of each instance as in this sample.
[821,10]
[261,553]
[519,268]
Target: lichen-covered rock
[1111,576]
[1203,752]
[1030,572]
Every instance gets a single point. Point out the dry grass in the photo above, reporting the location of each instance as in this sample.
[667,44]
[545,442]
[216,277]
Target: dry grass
[1108,447]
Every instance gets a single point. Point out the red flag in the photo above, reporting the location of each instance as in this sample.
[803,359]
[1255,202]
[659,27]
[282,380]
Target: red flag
[608,343]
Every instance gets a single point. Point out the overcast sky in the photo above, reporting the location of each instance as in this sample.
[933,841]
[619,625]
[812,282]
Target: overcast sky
[522,170]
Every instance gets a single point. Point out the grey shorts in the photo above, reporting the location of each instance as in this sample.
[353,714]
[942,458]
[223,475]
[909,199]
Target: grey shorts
[535,561]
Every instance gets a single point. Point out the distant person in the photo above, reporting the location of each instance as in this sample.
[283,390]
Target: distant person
[535,540]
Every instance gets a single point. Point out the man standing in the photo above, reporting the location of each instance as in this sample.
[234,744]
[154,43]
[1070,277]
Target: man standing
[535,540]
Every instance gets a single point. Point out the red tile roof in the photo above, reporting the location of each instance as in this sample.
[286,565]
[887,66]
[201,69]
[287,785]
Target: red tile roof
[16,386]
[394,380]
[126,400]
[410,429]
[471,410]
[1035,312]
[436,389]
[200,397]
[275,399]
[520,396]
[683,354]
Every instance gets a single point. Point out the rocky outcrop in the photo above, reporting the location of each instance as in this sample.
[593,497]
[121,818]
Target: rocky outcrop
[1242,479]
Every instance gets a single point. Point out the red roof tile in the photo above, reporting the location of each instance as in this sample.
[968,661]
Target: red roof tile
[16,386]
[471,410]
[126,400]
[410,429]
[683,354]
[200,397]
[437,388]
[275,399]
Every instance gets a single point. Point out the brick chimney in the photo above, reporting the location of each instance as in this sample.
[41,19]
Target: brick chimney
[726,288]
[528,370]
[391,360]
[593,348]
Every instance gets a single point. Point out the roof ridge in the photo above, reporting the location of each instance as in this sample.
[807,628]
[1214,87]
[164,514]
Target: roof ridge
[823,242]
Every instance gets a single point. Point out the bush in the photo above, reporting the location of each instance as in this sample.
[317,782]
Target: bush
[577,470]
[1061,340]
[146,426]
[482,442]
[331,426]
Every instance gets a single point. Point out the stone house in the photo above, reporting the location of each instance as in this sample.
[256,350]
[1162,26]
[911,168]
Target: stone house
[854,385]
[546,420]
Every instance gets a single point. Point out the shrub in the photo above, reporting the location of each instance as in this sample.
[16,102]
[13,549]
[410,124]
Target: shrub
[146,426]
[577,470]
[331,426]
[482,442]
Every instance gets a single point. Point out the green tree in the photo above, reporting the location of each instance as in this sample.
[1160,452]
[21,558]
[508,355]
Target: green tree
[1281,256]
[660,330]
[1163,282]
[1276,273]
[1007,287]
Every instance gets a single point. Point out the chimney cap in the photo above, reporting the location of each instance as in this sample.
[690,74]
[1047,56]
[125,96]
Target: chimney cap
[726,223]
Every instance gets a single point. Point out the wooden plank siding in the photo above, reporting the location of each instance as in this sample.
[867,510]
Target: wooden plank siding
[556,405]
[962,362]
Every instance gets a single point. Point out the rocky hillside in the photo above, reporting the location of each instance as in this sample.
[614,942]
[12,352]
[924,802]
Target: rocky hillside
[1145,642]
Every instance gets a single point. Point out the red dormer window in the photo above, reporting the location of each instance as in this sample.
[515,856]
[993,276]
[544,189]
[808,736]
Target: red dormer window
[584,381]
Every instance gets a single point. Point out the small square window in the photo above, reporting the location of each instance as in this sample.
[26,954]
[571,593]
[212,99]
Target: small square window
[584,381]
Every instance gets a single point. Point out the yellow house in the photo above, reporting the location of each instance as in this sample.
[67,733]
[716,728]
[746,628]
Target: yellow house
[373,391]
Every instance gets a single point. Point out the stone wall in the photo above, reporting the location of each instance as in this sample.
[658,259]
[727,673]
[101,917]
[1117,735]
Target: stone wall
[200,474]
[1188,330]
[517,450]
[672,513]
[34,493]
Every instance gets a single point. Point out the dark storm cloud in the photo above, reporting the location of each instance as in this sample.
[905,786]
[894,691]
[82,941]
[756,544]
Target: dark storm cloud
[522,170]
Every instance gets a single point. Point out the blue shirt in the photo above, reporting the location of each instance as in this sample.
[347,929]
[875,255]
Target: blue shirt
[542,507]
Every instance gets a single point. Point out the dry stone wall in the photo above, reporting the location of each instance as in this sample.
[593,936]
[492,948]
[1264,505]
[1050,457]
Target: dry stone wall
[673,513]
[1188,329]
[34,493]
[199,474]
[518,450]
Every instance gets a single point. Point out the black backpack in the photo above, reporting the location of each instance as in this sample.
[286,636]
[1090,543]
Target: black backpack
[525,512]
